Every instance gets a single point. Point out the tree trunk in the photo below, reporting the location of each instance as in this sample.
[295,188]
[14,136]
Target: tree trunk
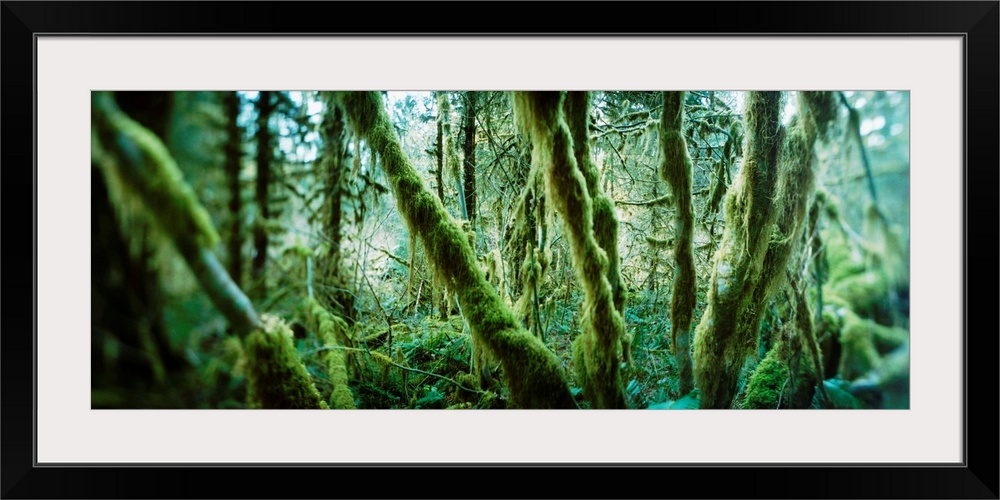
[469,155]
[336,158]
[675,168]
[577,111]
[727,333]
[533,373]
[595,351]
[234,160]
[264,155]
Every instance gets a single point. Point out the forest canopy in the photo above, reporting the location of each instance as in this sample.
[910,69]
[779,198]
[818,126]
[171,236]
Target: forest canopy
[495,249]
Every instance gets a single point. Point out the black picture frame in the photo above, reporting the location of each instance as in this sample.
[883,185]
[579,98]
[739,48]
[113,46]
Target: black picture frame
[978,23]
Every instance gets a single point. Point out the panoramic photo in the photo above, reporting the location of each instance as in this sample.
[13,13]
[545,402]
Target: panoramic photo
[411,250]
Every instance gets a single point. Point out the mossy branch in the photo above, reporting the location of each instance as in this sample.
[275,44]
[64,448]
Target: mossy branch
[142,173]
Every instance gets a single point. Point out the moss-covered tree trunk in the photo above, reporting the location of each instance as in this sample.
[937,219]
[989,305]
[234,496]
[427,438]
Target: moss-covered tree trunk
[234,160]
[727,333]
[675,168]
[577,112]
[596,349]
[265,107]
[335,164]
[469,154]
[533,374]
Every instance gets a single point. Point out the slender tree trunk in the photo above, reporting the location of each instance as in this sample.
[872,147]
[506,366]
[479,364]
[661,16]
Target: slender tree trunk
[469,155]
[234,160]
[439,174]
[264,155]
[335,165]
[675,168]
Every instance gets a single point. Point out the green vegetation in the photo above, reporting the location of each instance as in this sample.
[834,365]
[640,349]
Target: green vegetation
[500,250]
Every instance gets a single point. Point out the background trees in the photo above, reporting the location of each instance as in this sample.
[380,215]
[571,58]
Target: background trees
[421,252]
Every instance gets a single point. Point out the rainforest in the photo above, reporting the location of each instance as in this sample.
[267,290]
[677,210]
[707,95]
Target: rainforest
[485,249]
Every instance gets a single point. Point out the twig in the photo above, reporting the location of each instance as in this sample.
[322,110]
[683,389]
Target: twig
[388,320]
[397,365]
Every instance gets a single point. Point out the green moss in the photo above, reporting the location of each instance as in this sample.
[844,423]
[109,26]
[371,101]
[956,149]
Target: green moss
[542,115]
[330,329]
[766,384]
[823,107]
[771,386]
[858,352]
[140,171]
[533,373]
[276,377]
[675,169]
[727,333]
[865,292]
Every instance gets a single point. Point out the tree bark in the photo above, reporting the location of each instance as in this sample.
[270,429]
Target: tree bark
[469,155]
[234,159]
[264,154]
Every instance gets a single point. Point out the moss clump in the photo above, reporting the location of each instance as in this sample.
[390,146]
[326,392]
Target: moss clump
[766,384]
[541,114]
[276,377]
[329,329]
[533,373]
[675,169]
[858,352]
[772,387]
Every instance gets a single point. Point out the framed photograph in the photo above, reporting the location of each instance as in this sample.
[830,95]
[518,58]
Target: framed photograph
[907,90]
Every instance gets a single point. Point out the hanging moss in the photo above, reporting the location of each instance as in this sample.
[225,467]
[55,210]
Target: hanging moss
[533,373]
[276,377]
[600,341]
[330,330]
[727,333]
[675,169]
